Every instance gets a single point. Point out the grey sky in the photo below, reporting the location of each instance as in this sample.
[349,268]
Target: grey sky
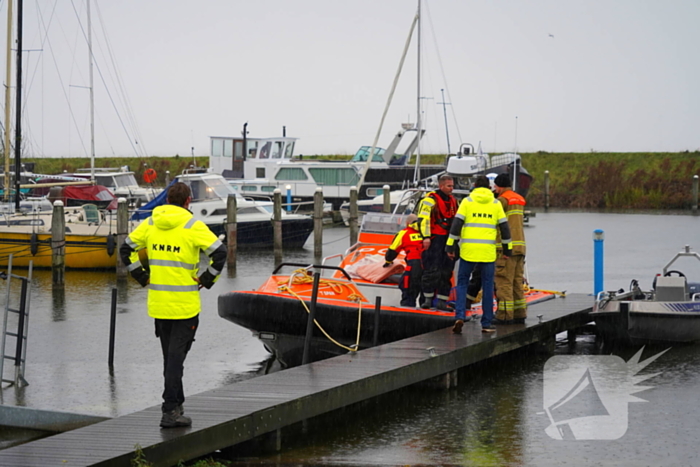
[616,76]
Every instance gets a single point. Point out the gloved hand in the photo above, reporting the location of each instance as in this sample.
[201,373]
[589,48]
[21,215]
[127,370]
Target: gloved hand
[207,279]
[450,248]
[507,251]
[141,276]
[387,264]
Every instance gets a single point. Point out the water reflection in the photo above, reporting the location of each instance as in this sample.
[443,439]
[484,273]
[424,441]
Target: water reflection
[58,302]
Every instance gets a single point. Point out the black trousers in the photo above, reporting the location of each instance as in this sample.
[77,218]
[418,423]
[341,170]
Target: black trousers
[176,337]
[410,284]
[437,269]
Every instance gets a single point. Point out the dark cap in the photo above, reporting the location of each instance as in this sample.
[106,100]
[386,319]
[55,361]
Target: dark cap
[503,181]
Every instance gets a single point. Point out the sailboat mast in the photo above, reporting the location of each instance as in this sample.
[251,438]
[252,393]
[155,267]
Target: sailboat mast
[18,110]
[416,171]
[92,98]
[8,97]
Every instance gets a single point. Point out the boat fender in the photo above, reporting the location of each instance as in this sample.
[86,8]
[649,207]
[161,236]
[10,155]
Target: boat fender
[110,244]
[150,175]
[34,244]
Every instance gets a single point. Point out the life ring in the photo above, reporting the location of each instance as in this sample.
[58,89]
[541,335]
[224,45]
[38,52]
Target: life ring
[149,176]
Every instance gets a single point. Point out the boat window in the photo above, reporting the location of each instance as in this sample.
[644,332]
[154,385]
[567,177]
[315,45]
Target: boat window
[289,150]
[228,148]
[264,152]
[125,180]
[362,154]
[249,188]
[252,149]
[291,173]
[248,210]
[268,189]
[335,176]
[277,150]
[217,147]
[107,181]
[209,189]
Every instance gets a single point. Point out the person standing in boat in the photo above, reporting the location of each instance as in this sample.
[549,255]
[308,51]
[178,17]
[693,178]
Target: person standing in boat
[474,228]
[173,240]
[512,307]
[409,240]
[437,210]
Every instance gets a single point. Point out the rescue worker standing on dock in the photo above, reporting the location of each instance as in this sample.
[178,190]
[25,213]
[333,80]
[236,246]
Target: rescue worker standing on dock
[173,239]
[474,227]
[512,307]
[437,210]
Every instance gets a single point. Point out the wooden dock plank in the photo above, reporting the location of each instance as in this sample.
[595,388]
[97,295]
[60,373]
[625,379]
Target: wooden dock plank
[226,416]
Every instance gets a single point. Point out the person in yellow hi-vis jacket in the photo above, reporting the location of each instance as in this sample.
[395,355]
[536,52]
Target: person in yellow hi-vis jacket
[474,227]
[173,240]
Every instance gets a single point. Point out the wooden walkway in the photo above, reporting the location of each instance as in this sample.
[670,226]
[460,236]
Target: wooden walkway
[242,411]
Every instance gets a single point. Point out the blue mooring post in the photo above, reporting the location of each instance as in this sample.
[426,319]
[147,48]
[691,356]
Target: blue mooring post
[289,198]
[598,240]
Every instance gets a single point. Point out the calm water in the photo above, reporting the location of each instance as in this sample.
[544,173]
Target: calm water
[494,418]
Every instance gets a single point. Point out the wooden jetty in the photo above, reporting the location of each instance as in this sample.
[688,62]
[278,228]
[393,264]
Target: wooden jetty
[242,411]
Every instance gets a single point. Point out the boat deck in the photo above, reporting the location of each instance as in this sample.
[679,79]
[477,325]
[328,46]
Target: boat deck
[242,411]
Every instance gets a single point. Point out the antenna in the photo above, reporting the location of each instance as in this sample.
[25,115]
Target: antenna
[444,111]
[515,149]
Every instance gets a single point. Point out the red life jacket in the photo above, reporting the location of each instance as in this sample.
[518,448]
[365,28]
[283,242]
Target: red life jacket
[442,214]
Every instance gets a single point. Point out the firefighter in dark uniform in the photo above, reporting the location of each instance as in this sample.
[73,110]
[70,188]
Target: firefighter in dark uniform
[437,210]
[410,240]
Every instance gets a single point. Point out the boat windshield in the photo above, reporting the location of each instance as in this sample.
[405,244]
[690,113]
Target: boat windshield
[362,154]
[116,181]
[212,188]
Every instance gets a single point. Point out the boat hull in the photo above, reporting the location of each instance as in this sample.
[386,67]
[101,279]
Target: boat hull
[283,319]
[260,234]
[82,251]
[650,322]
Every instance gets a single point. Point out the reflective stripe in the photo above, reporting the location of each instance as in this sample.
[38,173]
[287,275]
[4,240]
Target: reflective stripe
[454,237]
[134,265]
[175,288]
[477,224]
[214,246]
[478,240]
[459,216]
[213,271]
[150,220]
[190,223]
[131,243]
[172,264]
[514,211]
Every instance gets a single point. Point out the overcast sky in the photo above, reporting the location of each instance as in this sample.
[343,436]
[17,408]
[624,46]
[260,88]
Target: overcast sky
[526,75]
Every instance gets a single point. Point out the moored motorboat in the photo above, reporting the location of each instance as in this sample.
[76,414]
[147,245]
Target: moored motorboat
[255,229]
[669,312]
[90,240]
[345,312]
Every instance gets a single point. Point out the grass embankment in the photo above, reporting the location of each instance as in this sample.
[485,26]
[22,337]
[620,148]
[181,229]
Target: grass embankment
[576,180]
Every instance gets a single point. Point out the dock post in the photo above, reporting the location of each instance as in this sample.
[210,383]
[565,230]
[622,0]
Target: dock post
[112,327]
[310,319]
[122,232]
[318,223]
[377,312]
[598,240]
[352,220]
[58,244]
[167,178]
[277,223]
[546,189]
[695,192]
[386,191]
[571,338]
[231,231]
[289,198]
